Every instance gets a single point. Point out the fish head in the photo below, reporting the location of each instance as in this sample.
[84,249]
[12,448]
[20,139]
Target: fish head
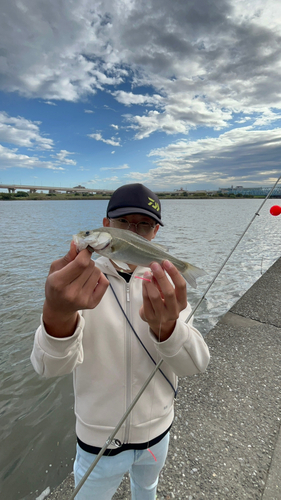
[98,240]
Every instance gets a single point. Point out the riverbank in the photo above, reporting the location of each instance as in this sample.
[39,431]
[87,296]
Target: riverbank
[226,441]
[61,196]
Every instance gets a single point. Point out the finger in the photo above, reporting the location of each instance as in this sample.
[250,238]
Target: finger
[179,282]
[79,294]
[98,292]
[94,290]
[75,268]
[166,287]
[153,304]
[148,294]
[69,257]
[86,270]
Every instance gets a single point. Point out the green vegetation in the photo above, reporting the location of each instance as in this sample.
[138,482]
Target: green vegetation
[21,194]
[6,196]
[178,195]
[200,195]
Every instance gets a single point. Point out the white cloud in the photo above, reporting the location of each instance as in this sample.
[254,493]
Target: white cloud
[188,64]
[98,181]
[22,132]
[239,155]
[122,167]
[111,142]
[128,98]
[10,158]
[220,49]
[69,55]
[61,157]
[244,119]
[266,119]
[179,118]
[88,111]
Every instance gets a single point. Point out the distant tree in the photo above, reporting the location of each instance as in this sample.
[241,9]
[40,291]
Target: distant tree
[7,196]
[22,194]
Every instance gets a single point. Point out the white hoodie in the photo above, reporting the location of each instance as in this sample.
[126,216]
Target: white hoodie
[110,365]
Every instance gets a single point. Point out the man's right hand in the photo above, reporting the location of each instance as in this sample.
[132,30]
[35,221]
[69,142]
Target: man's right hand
[74,283]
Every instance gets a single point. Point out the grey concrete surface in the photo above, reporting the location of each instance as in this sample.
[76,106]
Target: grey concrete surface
[226,440]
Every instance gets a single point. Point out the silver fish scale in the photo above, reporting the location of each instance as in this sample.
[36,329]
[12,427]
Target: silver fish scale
[130,248]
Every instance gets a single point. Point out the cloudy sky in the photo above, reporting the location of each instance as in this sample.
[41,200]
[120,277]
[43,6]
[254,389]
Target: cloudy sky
[171,93]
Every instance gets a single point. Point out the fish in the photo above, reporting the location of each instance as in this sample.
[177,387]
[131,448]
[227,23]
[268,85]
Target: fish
[125,247]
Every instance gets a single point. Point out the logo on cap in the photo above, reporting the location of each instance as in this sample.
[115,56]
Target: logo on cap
[153,204]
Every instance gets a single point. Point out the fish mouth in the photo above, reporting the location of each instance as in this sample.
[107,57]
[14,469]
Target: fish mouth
[102,246]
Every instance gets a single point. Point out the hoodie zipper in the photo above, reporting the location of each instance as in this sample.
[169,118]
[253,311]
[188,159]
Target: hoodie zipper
[128,362]
[128,365]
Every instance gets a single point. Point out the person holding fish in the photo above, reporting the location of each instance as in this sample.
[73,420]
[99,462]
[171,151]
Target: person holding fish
[109,322]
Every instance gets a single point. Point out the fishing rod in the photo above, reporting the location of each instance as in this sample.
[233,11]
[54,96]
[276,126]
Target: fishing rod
[156,368]
[114,432]
[231,252]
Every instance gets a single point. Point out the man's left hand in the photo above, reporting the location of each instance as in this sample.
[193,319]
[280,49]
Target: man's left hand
[163,300]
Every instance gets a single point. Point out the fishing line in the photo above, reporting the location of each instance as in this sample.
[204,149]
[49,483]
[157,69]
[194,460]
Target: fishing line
[114,432]
[153,389]
[156,368]
[231,252]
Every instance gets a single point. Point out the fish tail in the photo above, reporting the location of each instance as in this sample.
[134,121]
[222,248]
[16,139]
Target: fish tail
[191,273]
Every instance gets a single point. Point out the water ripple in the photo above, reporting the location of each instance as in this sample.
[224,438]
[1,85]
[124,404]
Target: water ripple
[37,415]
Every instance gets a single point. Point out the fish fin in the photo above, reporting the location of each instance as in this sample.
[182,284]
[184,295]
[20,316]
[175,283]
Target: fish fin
[120,264]
[191,273]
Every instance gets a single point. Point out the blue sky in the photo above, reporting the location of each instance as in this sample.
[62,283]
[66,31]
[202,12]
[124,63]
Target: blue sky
[170,93]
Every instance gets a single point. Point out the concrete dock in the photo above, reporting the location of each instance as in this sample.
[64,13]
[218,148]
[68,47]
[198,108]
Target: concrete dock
[226,440]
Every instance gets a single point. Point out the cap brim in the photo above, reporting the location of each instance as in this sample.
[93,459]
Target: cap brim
[133,210]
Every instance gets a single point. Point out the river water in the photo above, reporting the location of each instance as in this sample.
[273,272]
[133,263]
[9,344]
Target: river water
[37,423]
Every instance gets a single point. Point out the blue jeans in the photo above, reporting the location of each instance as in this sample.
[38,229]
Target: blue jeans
[108,473]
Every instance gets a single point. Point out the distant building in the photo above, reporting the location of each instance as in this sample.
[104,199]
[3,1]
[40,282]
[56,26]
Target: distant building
[254,191]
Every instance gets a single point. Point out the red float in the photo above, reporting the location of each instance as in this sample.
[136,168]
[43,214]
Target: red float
[275,210]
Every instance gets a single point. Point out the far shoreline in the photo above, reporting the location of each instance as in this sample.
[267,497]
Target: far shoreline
[64,197]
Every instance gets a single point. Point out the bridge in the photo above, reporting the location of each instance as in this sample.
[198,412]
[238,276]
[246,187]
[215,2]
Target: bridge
[12,188]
